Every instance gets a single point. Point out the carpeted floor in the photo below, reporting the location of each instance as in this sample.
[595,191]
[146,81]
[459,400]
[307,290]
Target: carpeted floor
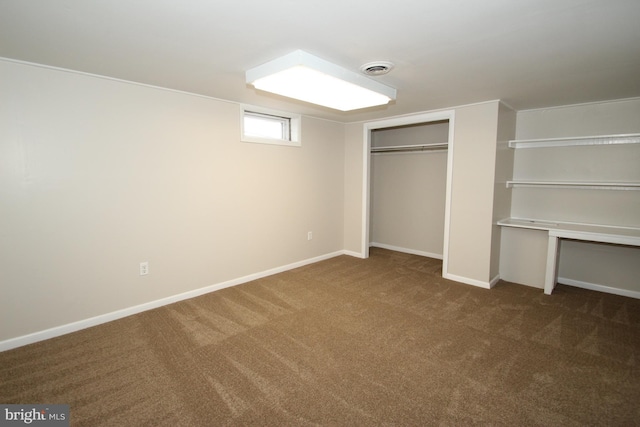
[344,342]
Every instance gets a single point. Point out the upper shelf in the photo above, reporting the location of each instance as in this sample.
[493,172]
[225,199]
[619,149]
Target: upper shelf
[632,138]
[577,184]
[439,146]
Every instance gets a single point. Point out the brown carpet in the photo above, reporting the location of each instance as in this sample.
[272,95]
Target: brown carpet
[382,341]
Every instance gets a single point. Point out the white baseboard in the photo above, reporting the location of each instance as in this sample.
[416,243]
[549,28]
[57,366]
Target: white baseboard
[108,317]
[494,281]
[353,254]
[599,288]
[405,250]
[467,281]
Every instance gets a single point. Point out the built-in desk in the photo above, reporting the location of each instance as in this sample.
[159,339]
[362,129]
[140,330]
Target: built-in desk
[563,230]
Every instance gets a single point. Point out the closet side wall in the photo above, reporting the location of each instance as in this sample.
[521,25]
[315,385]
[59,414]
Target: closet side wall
[504,172]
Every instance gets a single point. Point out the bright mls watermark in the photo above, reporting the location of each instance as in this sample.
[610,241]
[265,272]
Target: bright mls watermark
[34,415]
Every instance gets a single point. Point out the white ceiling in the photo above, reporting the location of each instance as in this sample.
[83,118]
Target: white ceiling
[529,53]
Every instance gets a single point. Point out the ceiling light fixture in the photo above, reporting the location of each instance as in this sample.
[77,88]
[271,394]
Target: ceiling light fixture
[302,76]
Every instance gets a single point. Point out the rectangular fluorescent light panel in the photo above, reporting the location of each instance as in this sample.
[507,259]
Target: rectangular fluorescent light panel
[302,76]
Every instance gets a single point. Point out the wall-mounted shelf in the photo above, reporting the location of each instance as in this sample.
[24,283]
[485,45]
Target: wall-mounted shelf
[585,140]
[411,148]
[576,184]
[604,233]
[533,224]
[593,179]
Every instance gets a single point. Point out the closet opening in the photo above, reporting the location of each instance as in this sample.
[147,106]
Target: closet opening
[406,198]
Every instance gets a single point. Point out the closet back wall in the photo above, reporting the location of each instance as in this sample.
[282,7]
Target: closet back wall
[408,190]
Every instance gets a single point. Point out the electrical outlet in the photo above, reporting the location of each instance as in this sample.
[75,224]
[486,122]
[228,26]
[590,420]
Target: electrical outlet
[309,235]
[144,268]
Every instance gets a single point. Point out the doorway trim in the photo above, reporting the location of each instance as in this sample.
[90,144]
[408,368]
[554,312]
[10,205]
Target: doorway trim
[366,179]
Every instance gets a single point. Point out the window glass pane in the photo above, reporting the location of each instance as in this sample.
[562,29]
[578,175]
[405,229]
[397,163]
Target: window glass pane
[266,126]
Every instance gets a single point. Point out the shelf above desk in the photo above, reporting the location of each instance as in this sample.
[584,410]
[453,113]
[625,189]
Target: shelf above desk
[576,184]
[583,140]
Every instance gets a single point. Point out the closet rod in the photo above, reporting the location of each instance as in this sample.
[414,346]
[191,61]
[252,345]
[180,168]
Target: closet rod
[410,148]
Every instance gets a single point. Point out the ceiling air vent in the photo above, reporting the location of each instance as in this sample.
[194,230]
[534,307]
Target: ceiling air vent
[377,68]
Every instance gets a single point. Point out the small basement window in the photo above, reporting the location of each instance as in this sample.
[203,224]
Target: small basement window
[269,126]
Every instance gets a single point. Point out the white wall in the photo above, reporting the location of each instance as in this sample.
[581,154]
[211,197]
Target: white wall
[580,263]
[98,175]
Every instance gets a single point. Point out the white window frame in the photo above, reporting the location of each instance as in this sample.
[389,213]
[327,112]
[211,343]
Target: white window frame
[293,122]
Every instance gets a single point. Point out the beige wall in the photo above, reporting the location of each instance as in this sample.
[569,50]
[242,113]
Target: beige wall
[591,264]
[98,175]
[474,167]
[353,189]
